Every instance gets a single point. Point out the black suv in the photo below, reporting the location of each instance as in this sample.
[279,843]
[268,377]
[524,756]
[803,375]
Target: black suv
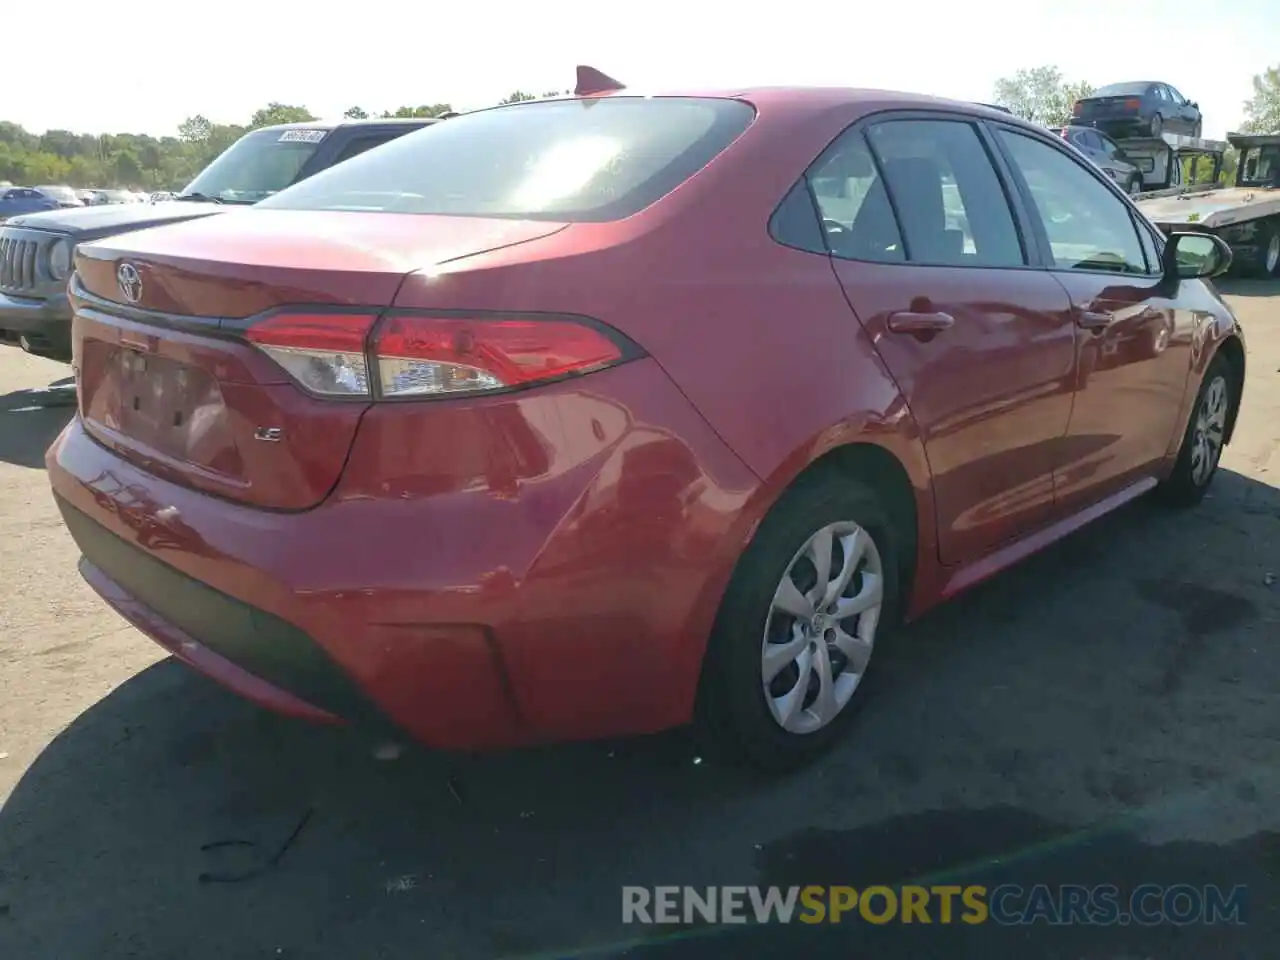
[36,249]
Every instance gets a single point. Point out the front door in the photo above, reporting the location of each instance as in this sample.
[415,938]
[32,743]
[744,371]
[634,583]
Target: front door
[1135,347]
[982,347]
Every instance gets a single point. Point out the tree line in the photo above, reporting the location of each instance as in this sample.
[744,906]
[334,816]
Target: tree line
[138,161]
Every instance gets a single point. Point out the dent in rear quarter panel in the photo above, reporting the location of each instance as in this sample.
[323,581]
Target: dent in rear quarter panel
[586,528]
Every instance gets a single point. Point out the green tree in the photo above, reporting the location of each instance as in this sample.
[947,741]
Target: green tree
[433,110]
[1040,95]
[356,113]
[274,113]
[518,97]
[195,129]
[1262,110]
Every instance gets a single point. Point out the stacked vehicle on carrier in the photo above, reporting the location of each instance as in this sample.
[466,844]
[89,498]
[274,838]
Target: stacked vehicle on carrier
[1146,135]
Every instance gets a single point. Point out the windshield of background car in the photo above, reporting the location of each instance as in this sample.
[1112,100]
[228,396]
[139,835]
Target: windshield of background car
[1261,165]
[1122,90]
[569,160]
[58,193]
[257,165]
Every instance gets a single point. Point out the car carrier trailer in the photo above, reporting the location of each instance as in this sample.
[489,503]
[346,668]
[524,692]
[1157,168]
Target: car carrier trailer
[1245,216]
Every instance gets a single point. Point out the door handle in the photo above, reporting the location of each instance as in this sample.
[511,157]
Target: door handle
[920,323]
[1094,320]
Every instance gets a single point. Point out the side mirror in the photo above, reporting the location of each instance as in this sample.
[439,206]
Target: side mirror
[1193,255]
[1195,105]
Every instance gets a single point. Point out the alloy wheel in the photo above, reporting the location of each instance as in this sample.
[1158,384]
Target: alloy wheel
[821,627]
[1211,424]
[1273,253]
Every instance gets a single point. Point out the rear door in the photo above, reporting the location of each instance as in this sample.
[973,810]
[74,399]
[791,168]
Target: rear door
[927,248]
[1135,348]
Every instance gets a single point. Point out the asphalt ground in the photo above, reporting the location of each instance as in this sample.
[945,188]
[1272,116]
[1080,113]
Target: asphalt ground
[1106,714]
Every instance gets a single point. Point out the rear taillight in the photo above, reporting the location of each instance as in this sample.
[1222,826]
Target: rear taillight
[434,356]
[324,352]
[420,356]
[1133,105]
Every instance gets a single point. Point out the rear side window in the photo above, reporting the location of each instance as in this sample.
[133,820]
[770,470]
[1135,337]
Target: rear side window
[854,207]
[575,160]
[1088,226]
[951,206]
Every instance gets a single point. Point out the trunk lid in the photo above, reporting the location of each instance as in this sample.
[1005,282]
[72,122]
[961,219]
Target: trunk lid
[1094,107]
[167,377]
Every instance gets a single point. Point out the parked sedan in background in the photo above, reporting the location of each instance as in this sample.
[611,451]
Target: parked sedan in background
[668,409]
[65,196]
[1106,154]
[1144,107]
[18,200]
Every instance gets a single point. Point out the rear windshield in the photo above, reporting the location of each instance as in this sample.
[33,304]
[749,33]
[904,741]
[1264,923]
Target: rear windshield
[571,160]
[257,165]
[1122,90]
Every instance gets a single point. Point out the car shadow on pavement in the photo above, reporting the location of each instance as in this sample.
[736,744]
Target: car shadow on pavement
[1241,287]
[1102,714]
[30,419]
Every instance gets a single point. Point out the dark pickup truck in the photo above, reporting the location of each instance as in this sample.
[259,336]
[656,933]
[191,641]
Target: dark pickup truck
[36,249]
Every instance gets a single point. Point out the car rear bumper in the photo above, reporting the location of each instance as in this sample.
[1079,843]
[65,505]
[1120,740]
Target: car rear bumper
[45,323]
[484,610]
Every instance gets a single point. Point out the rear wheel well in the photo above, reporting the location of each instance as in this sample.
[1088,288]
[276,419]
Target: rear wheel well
[881,471]
[1232,351]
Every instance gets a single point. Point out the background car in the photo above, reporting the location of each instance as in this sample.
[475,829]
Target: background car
[18,200]
[502,454]
[65,196]
[1139,107]
[1105,153]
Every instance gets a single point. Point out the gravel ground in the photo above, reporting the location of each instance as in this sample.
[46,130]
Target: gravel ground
[1107,713]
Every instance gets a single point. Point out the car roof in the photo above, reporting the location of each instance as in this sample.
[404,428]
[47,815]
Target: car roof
[814,100]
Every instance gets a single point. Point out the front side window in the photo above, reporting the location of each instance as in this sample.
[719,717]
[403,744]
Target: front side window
[362,144]
[947,193]
[257,165]
[1088,227]
[569,160]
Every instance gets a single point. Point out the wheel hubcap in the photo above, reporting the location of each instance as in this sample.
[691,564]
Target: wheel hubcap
[1211,424]
[821,627]
[1273,253]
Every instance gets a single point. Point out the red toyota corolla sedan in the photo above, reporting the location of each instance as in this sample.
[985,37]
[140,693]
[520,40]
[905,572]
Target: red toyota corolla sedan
[599,415]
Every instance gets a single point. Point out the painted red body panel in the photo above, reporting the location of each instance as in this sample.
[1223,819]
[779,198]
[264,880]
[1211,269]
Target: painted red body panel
[547,564]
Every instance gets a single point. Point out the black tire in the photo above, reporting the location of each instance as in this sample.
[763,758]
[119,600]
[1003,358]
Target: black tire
[734,717]
[1184,487]
[1157,125]
[1269,251]
[1134,184]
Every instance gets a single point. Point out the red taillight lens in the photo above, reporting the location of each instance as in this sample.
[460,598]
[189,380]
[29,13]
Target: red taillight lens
[1133,104]
[322,351]
[1077,108]
[424,356]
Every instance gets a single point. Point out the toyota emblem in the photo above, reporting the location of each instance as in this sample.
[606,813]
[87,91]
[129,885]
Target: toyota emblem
[130,282]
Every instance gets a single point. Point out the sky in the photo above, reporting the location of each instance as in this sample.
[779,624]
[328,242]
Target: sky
[146,70]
